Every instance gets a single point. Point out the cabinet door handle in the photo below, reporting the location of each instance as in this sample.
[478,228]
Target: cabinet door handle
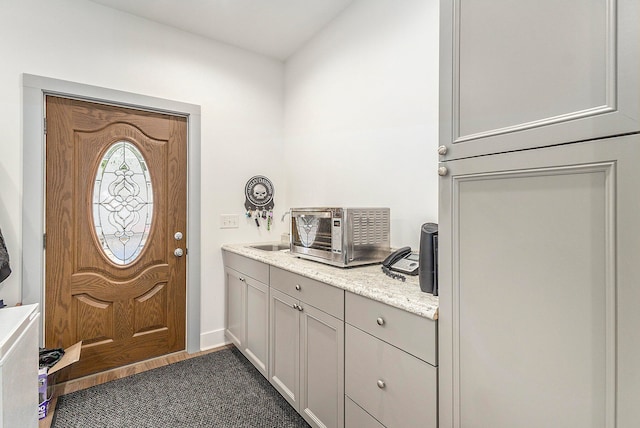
[381,384]
[241,279]
[298,287]
[295,306]
[300,308]
[380,321]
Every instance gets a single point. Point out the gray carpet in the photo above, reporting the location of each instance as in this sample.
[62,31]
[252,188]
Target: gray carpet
[221,389]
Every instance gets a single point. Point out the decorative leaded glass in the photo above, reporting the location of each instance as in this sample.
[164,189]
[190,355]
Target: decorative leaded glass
[122,203]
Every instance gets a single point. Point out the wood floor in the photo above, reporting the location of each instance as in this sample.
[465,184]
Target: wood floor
[97,379]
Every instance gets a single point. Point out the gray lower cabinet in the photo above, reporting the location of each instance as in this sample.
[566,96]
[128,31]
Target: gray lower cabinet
[307,346]
[390,369]
[247,316]
[539,290]
[380,370]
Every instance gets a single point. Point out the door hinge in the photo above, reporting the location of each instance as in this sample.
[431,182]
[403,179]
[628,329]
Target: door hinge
[44,241]
[45,126]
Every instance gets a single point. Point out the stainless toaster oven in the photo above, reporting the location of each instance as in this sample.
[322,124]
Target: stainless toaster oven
[341,237]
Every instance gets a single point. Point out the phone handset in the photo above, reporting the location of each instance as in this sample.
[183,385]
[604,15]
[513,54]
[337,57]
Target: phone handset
[392,259]
[395,256]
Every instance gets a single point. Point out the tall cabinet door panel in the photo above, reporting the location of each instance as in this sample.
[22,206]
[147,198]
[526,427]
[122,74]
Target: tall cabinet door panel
[539,295]
[285,337]
[321,368]
[257,338]
[522,74]
[236,295]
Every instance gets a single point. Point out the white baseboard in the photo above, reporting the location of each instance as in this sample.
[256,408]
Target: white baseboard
[213,339]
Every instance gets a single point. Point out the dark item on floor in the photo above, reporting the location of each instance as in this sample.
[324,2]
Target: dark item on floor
[49,357]
[5,270]
[220,389]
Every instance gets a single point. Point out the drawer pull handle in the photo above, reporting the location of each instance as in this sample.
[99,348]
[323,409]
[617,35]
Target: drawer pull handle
[298,287]
[381,384]
[380,321]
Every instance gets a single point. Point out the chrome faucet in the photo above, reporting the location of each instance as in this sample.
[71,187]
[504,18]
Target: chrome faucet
[284,215]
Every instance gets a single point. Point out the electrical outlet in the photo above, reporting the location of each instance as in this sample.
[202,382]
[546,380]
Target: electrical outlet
[229,221]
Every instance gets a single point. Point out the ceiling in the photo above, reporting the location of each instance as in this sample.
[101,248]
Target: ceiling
[275,28]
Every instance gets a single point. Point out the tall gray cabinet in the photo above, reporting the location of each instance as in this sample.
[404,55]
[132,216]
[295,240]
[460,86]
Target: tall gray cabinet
[538,233]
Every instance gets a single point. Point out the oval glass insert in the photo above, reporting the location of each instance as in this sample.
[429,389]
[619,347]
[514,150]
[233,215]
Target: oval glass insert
[122,203]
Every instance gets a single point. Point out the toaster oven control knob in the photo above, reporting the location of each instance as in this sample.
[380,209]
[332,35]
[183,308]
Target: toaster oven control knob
[381,384]
[380,321]
[298,287]
[442,171]
[442,150]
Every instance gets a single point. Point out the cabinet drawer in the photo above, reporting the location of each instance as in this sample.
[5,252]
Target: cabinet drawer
[355,417]
[410,332]
[253,268]
[396,388]
[325,297]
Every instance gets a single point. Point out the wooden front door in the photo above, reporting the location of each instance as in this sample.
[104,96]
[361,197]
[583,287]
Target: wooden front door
[115,199]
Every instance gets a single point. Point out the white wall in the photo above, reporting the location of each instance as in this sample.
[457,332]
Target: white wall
[361,114]
[241,95]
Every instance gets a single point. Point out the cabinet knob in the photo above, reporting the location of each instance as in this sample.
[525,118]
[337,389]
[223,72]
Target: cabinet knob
[241,278]
[442,171]
[381,384]
[380,321]
[442,150]
[298,287]
[295,306]
[300,308]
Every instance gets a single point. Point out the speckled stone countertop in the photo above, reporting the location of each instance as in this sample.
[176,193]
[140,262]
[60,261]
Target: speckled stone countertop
[367,281]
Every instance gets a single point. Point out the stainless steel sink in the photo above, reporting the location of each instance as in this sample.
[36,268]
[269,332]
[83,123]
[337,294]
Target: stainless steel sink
[271,247]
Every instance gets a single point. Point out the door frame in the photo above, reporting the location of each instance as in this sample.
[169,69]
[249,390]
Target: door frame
[34,90]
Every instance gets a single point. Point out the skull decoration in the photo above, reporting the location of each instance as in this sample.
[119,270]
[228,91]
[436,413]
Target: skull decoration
[259,192]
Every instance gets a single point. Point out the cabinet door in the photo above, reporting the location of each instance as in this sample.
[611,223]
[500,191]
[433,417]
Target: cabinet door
[257,310]
[284,354]
[321,368]
[236,302]
[523,74]
[539,297]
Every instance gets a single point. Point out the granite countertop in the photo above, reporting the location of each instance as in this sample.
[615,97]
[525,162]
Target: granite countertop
[367,281]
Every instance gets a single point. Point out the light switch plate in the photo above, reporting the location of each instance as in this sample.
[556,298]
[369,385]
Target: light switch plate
[229,221]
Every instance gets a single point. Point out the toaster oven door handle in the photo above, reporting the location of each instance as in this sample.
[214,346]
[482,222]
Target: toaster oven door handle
[320,214]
